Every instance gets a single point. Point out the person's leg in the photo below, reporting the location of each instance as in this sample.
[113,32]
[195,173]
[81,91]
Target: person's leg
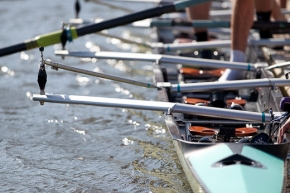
[199,12]
[263,13]
[282,3]
[276,12]
[241,20]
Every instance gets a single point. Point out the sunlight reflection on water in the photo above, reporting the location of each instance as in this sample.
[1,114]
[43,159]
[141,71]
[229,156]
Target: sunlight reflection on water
[70,148]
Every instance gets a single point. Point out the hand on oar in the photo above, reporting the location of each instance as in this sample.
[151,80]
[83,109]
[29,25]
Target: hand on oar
[194,101]
[195,72]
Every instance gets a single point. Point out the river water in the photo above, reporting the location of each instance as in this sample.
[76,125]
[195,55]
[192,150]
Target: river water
[70,148]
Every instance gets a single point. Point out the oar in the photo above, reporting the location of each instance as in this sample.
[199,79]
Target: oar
[212,13]
[228,85]
[187,61]
[219,44]
[276,25]
[73,32]
[188,87]
[179,15]
[196,72]
[280,65]
[154,106]
[144,1]
[216,5]
[228,13]
[56,65]
[199,45]
[190,71]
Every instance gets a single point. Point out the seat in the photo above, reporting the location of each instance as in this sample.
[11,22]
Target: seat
[205,131]
[245,131]
[199,130]
[193,101]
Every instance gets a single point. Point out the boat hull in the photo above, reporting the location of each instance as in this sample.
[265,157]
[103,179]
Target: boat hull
[231,167]
[205,164]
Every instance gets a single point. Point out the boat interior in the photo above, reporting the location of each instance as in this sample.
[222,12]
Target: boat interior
[212,130]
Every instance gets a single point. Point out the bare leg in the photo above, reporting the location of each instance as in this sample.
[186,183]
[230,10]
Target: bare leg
[242,20]
[199,12]
[263,5]
[283,3]
[263,12]
[276,12]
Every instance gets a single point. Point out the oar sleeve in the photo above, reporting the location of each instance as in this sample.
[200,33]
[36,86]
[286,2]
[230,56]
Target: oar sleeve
[42,40]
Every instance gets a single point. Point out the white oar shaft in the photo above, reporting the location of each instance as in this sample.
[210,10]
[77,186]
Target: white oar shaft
[105,102]
[192,45]
[200,45]
[229,85]
[218,44]
[191,62]
[228,13]
[91,73]
[200,62]
[111,55]
[220,113]
[154,106]
[280,65]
